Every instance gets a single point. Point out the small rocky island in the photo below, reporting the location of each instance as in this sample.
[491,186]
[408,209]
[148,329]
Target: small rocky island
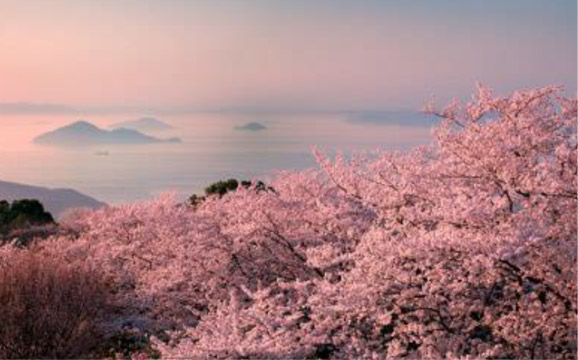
[251,126]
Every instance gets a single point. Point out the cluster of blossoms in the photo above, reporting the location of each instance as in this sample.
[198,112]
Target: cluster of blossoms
[462,249]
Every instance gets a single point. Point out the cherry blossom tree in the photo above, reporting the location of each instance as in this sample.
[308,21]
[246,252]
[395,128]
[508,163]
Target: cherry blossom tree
[465,248]
[471,250]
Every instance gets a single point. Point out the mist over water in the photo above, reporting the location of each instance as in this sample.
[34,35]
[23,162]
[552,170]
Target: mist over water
[213,147]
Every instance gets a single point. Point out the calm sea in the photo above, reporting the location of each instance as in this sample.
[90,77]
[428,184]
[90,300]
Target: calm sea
[212,149]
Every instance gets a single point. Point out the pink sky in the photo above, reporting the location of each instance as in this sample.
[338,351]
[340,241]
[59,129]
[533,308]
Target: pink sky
[197,55]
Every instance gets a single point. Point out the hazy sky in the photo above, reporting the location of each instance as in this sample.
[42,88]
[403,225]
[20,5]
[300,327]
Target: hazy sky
[322,54]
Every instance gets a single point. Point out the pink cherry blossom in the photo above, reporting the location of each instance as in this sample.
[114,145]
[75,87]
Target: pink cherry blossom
[465,248]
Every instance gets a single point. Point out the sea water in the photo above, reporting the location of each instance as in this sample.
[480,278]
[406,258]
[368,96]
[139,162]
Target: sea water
[212,148]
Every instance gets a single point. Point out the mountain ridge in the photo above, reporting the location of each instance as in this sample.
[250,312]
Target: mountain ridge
[56,200]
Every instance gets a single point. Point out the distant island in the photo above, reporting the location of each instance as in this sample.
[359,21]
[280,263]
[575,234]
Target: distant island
[143,124]
[56,201]
[252,126]
[82,133]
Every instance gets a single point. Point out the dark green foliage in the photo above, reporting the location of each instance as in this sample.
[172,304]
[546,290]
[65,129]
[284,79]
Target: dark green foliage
[223,187]
[195,200]
[21,214]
